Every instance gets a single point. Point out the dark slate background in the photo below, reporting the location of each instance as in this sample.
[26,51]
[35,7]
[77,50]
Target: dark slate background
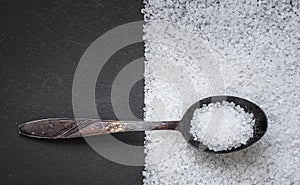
[41,43]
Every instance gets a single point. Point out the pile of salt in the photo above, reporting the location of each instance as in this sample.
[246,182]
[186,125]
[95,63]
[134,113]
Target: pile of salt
[222,126]
[257,48]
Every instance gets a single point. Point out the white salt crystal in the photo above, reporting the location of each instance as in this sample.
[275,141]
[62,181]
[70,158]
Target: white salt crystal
[222,126]
[256,46]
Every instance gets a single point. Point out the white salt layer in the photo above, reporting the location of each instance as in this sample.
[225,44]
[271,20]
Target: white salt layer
[256,47]
[222,126]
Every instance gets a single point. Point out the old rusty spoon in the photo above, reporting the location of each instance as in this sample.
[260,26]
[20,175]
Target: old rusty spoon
[61,128]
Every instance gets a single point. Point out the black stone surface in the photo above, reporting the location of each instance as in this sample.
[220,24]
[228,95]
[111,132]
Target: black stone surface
[41,43]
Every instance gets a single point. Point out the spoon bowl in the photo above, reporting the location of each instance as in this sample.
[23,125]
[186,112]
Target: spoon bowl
[260,126]
[63,128]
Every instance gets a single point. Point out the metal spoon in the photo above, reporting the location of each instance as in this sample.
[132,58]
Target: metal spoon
[61,128]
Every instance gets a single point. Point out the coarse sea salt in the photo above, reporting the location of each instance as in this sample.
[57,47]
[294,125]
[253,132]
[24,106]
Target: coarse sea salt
[222,126]
[245,48]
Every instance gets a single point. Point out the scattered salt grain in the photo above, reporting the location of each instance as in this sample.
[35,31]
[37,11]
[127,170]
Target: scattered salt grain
[222,126]
[256,46]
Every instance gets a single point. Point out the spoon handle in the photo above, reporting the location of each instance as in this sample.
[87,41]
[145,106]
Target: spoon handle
[60,128]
